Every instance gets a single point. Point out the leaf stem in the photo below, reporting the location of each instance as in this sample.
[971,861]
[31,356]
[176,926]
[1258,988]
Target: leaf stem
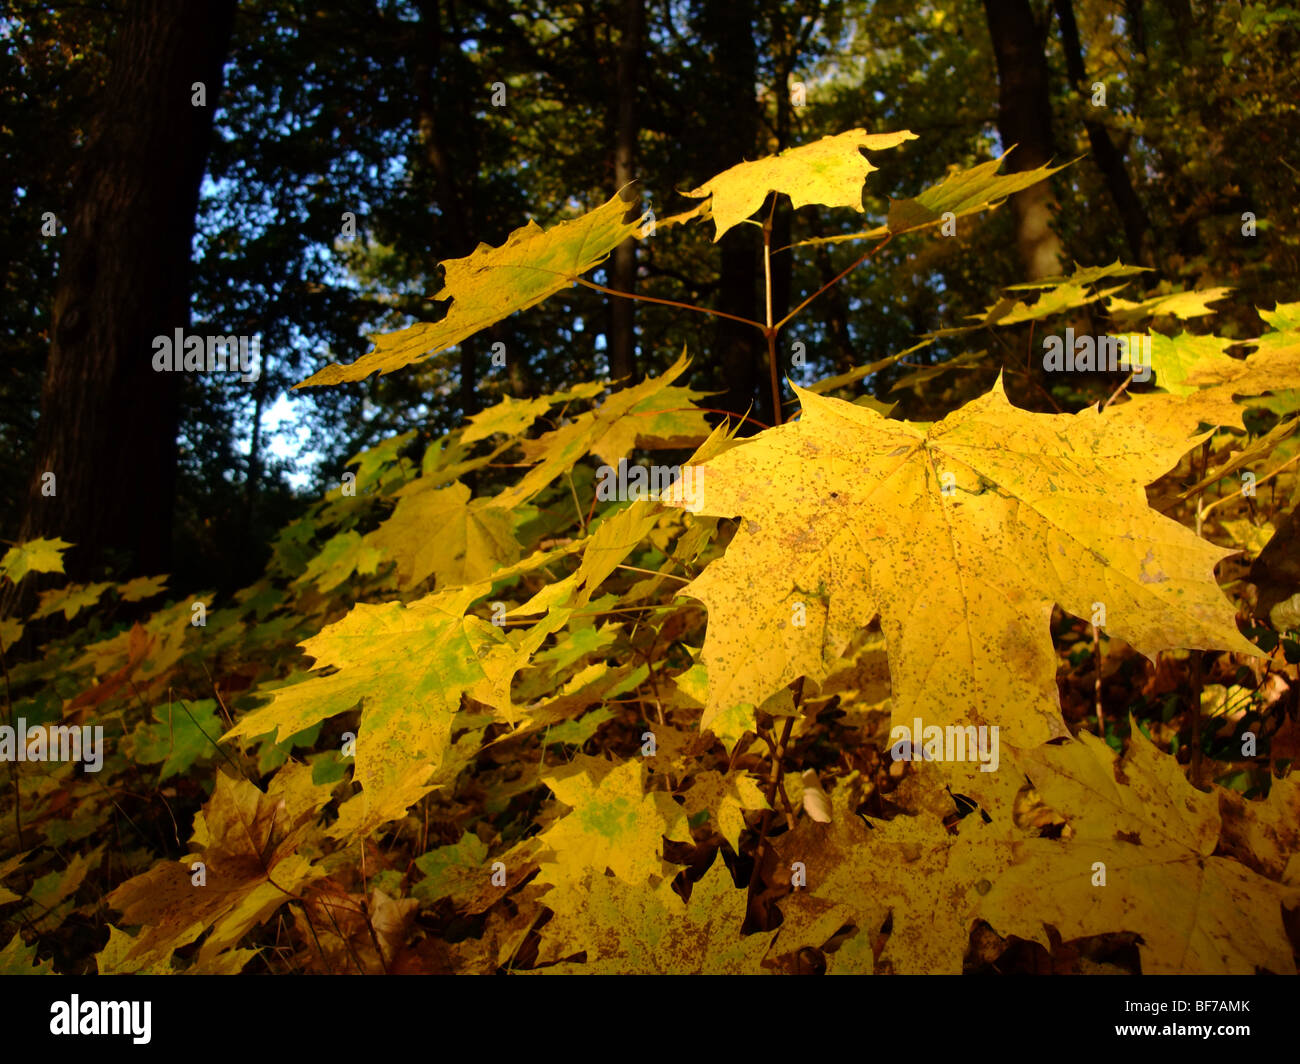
[834,280]
[669,303]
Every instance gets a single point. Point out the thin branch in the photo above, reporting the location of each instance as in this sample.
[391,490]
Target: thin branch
[668,303]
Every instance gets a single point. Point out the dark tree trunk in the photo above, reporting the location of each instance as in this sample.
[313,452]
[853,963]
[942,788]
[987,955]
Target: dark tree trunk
[1107,156]
[727,33]
[108,421]
[622,271]
[784,46]
[456,198]
[1025,120]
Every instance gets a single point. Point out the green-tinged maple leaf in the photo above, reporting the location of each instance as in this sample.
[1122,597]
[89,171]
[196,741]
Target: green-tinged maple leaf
[725,798]
[649,414]
[1156,837]
[179,736]
[34,556]
[407,666]
[342,556]
[641,929]
[614,823]
[382,464]
[1178,361]
[452,871]
[245,840]
[961,193]
[19,959]
[439,531]
[961,536]
[604,550]
[830,171]
[492,283]
[51,891]
[514,416]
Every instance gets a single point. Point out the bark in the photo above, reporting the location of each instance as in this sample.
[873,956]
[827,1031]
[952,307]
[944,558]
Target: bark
[1108,158]
[783,263]
[622,272]
[1025,120]
[727,32]
[456,199]
[108,421]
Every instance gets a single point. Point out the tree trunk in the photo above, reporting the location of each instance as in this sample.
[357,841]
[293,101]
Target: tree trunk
[456,198]
[727,33]
[622,271]
[108,424]
[1025,120]
[1104,152]
[784,48]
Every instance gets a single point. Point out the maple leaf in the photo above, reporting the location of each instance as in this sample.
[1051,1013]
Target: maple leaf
[725,797]
[961,193]
[1265,835]
[408,666]
[50,891]
[614,823]
[829,171]
[649,414]
[491,283]
[1156,835]
[454,870]
[246,840]
[342,556]
[1179,360]
[142,587]
[180,736]
[932,881]
[112,959]
[69,600]
[34,556]
[1177,304]
[638,929]
[440,531]
[961,535]
[514,416]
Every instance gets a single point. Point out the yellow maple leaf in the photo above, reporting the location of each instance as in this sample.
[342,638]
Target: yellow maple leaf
[491,283]
[614,823]
[829,171]
[961,535]
[644,928]
[34,556]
